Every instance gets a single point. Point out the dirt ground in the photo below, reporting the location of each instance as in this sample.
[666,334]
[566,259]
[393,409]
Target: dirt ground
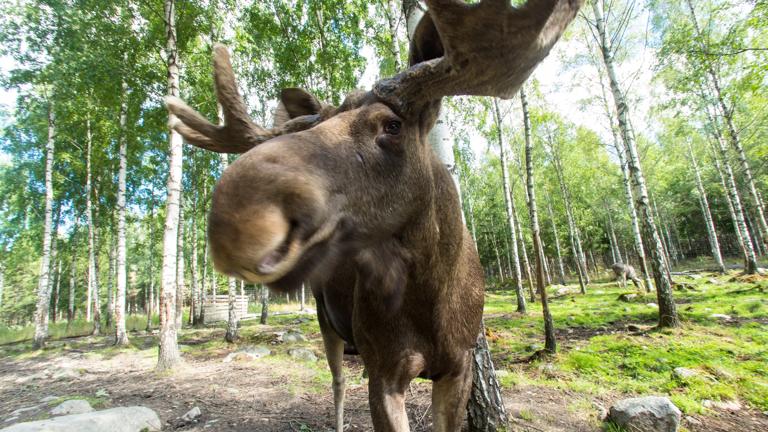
[264,396]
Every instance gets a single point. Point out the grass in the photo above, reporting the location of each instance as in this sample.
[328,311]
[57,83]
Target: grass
[599,356]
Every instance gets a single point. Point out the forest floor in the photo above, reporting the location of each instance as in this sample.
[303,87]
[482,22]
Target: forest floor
[608,350]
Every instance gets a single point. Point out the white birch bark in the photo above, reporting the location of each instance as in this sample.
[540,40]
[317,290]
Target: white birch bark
[43,287]
[181,287]
[572,232]
[168,354]
[550,343]
[560,268]
[121,334]
[714,244]
[727,113]
[667,308]
[71,297]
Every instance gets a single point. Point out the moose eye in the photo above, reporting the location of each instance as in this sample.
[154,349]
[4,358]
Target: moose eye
[392,127]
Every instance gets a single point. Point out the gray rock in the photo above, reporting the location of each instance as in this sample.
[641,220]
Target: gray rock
[714,281]
[695,276]
[684,373]
[20,411]
[125,419]
[248,354]
[49,399]
[646,414]
[191,415]
[66,374]
[627,297]
[72,406]
[653,305]
[692,420]
[302,354]
[722,317]
[293,336]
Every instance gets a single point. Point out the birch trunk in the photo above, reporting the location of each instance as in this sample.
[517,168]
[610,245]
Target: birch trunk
[614,243]
[152,303]
[121,334]
[508,201]
[180,277]
[486,412]
[757,202]
[727,195]
[550,343]
[232,318]
[572,232]
[750,259]
[168,354]
[526,263]
[194,306]
[91,282]
[560,269]
[667,309]
[71,299]
[628,194]
[43,287]
[2,282]
[714,243]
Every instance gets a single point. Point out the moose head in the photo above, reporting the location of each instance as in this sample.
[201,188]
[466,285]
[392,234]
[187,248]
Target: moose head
[353,198]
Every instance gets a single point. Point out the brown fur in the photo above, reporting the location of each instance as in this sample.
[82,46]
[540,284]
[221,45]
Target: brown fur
[354,200]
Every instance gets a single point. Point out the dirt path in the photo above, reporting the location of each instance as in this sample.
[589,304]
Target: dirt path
[263,395]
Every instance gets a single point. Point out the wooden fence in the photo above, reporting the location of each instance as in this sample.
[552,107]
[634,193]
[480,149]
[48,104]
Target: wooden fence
[216,308]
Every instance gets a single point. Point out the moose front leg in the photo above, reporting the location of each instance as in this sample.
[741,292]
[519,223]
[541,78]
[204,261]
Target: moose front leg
[449,399]
[386,392]
[334,352]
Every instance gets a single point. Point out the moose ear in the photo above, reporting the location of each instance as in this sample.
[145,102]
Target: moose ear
[425,42]
[295,102]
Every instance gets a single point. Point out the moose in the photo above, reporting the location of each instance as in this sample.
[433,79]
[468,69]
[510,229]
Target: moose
[353,199]
[622,272]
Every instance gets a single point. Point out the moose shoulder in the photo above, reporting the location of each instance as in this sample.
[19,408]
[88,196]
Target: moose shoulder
[353,199]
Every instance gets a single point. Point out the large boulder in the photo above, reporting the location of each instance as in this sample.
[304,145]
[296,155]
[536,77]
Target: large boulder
[125,419]
[646,414]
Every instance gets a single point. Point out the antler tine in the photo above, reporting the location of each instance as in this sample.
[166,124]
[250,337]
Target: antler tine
[489,49]
[238,134]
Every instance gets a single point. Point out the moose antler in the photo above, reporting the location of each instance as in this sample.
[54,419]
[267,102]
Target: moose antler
[489,49]
[239,133]
[484,49]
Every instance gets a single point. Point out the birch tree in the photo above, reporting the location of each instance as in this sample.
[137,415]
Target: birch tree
[667,308]
[43,286]
[550,343]
[714,244]
[121,335]
[168,354]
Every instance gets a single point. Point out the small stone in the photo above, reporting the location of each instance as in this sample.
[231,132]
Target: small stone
[72,406]
[191,415]
[571,318]
[293,336]
[722,317]
[627,298]
[66,374]
[653,305]
[534,347]
[647,414]
[626,309]
[247,354]
[695,276]
[49,399]
[20,411]
[714,281]
[722,405]
[684,373]
[302,354]
[633,328]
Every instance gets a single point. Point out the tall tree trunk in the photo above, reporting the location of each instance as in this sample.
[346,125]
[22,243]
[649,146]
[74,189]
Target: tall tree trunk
[524,254]
[515,264]
[89,220]
[667,309]
[714,243]
[43,287]
[264,305]
[550,343]
[193,304]
[232,318]
[181,287]
[121,335]
[628,193]
[54,259]
[498,258]
[203,288]
[727,195]
[72,279]
[2,282]
[168,355]
[560,269]
[614,243]
[573,235]
[757,202]
[750,259]
[392,14]
[111,258]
